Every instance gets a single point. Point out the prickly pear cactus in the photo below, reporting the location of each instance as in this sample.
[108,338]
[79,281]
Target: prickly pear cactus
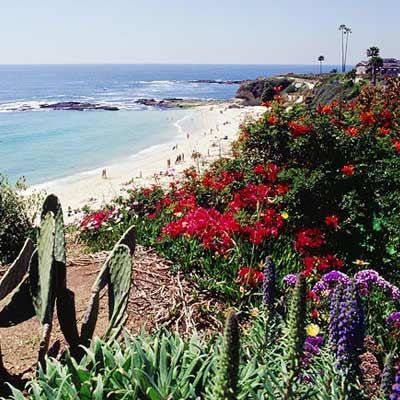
[19,308]
[17,271]
[52,204]
[42,271]
[116,272]
[120,268]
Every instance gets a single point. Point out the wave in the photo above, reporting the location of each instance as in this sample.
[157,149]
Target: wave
[97,171]
[17,106]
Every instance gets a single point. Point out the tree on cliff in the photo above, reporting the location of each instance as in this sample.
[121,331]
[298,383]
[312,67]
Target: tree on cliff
[321,59]
[375,61]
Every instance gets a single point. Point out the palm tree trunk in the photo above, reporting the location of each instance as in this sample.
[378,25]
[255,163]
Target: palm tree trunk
[345,53]
[320,67]
[342,52]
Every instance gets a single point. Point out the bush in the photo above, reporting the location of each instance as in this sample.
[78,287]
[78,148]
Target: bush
[318,189]
[16,219]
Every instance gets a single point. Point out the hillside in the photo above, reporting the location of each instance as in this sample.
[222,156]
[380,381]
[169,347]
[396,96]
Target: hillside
[313,90]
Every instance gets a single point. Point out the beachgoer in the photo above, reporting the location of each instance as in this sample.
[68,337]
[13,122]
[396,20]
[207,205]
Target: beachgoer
[169,163]
[104,174]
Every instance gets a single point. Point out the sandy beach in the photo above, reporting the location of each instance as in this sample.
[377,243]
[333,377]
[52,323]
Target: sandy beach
[218,128]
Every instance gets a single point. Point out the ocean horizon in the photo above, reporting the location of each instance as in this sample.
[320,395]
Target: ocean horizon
[46,145]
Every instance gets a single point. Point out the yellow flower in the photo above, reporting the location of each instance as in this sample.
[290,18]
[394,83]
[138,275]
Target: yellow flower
[241,289]
[285,215]
[254,312]
[360,262]
[312,330]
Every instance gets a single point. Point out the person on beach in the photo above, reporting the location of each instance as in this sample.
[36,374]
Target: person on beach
[187,136]
[104,174]
[169,163]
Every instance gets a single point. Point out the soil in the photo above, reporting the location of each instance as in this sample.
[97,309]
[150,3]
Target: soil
[158,298]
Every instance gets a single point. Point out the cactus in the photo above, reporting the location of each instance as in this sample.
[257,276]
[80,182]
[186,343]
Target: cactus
[19,308]
[35,289]
[116,272]
[226,383]
[17,270]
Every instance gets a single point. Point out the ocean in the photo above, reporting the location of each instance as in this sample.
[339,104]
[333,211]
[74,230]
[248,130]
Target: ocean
[46,145]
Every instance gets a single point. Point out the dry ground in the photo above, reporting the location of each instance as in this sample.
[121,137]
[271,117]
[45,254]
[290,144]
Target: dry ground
[158,298]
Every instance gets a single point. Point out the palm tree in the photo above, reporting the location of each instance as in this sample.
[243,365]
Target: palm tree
[342,29]
[375,61]
[320,59]
[347,32]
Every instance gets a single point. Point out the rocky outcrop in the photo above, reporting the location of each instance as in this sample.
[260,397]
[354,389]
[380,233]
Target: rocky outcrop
[218,81]
[78,106]
[261,89]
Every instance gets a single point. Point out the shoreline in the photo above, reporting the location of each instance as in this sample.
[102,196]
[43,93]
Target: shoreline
[218,128]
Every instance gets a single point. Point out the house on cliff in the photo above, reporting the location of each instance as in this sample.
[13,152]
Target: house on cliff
[390,67]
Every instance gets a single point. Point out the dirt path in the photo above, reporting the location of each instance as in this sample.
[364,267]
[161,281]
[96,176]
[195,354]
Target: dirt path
[158,298]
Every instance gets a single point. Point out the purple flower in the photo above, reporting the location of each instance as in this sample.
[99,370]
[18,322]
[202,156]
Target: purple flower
[329,278]
[364,278]
[346,326]
[312,347]
[290,279]
[392,318]
[269,284]
[395,395]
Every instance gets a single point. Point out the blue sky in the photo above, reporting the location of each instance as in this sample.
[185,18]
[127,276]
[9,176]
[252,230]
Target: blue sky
[204,31]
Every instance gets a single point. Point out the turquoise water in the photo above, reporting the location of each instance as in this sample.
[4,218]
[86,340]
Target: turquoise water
[44,146]
[47,145]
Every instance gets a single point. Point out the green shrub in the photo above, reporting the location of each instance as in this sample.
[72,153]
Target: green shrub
[17,213]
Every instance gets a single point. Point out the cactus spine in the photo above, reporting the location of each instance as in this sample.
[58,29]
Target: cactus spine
[226,383]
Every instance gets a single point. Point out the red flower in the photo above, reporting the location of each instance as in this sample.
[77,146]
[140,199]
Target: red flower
[272,120]
[348,169]
[352,132]
[396,145]
[297,129]
[282,188]
[259,170]
[326,110]
[367,118]
[277,89]
[332,220]
[266,104]
[250,276]
[309,238]
[314,314]
[384,131]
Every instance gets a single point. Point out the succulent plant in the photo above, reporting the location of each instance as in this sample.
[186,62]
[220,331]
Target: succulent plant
[269,285]
[296,324]
[226,381]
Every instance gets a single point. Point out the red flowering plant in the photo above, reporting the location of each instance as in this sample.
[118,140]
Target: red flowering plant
[341,164]
[317,186]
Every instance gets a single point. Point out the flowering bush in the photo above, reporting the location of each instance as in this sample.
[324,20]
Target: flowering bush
[316,188]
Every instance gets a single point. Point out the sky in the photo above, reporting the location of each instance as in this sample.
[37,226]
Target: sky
[194,32]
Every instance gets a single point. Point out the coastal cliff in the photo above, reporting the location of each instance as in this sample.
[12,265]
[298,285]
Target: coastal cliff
[295,89]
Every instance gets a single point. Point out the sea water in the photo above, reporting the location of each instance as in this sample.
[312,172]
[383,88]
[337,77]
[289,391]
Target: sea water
[45,145]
